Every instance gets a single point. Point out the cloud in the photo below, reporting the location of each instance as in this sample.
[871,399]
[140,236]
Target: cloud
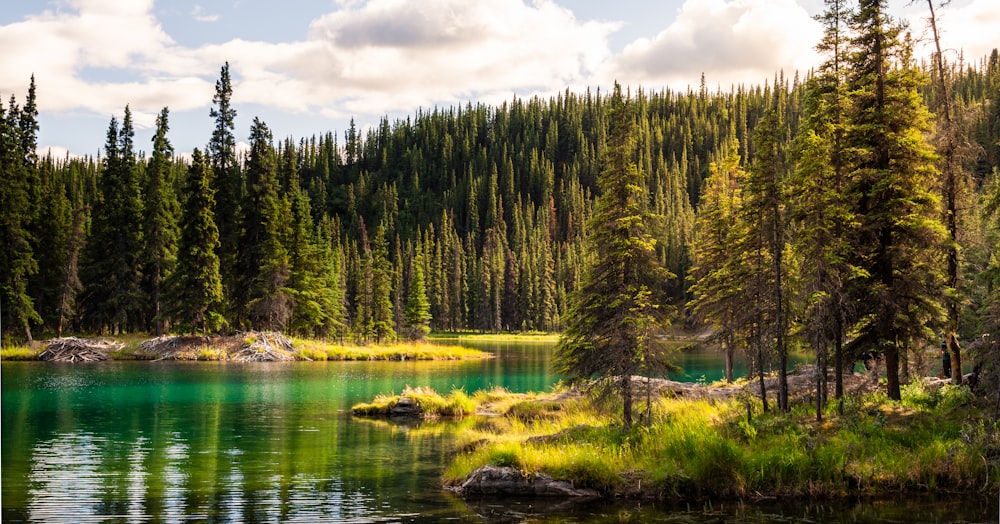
[969,28]
[405,54]
[733,42]
[199,15]
[66,50]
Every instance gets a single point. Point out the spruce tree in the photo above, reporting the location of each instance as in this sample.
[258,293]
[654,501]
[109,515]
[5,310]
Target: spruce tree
[822,209]
[264,259]
[112,295]
[614,316]
[228,185]
[418,308]
[193,291]
[892,179]
[160,229]
[17,259]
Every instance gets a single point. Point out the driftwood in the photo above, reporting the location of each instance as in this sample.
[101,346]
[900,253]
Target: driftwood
[171,347]
[72,349]
[264,347]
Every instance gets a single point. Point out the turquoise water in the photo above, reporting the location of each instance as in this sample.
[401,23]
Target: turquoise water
[274,442]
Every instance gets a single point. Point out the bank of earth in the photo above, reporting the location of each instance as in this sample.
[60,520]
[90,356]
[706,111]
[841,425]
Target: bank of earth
[714,441]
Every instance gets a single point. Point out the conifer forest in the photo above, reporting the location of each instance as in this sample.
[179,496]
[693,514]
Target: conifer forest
[852,207]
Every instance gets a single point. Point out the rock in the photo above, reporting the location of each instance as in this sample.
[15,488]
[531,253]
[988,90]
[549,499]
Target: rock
[406,407]
[494,480]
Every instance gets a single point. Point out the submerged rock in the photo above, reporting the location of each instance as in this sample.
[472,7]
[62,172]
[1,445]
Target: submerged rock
[494,480]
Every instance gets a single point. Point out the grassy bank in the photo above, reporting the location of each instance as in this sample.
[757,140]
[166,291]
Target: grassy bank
[320,350]
[470,336]
[930,441]
[19,353]
[221,348]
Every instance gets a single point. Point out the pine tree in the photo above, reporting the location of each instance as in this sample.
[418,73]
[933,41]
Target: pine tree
[821,208]
[229,188]
[382,323]
[112,296]
[617,310]
[160,229]
[418,308]
[718,298]
[892,176]
[193,291]
[264,259]
[17,260]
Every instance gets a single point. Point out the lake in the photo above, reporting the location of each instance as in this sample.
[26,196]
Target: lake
[275,442]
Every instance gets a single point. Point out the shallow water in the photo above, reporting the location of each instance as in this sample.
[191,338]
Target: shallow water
[275,442]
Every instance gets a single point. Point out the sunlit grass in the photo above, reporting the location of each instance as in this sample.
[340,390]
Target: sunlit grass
[520,337]
[19,353]
[711,448]
[433,404]
[321,350]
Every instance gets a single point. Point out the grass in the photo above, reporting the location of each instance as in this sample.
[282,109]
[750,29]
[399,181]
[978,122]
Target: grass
[19,353]
[320,350]
[932,440]
[307,349]
[470,336]
[432,404]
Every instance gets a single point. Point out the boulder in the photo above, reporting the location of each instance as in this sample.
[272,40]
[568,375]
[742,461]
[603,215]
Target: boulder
[495,480]
[406,407]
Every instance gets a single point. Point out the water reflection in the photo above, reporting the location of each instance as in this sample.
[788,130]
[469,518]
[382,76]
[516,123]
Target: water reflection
[176,442]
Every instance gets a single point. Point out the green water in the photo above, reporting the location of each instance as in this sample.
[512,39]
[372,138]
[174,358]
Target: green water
[270,442]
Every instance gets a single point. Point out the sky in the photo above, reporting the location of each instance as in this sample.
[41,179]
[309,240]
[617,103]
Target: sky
[307,67]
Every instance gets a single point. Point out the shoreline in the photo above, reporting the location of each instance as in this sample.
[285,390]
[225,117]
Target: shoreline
[705,446]
[251,346]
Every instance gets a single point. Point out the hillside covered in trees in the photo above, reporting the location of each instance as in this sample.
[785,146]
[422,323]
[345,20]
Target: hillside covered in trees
[856,204]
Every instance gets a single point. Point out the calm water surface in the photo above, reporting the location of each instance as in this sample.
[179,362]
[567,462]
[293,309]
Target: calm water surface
[275,442]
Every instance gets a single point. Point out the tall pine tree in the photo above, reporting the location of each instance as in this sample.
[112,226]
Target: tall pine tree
[194,289]
[614,316]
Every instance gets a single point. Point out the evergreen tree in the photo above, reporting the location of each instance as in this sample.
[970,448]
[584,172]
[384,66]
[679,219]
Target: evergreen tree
[617,310]
[821,207]
[892,176]
[717,297]
[382,323]
[112,296]
[160,226]
[193,291]
[264,263]
[418,308]
[764,213]
[229,188]
[17,180]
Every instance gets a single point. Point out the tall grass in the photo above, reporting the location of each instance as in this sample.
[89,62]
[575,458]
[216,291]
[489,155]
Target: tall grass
[455,404]
[705,448]
[321,350]
[13,352]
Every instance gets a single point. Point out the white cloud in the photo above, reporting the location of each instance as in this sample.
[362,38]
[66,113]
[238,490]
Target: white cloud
[732,42]
[966,27]
[199,15]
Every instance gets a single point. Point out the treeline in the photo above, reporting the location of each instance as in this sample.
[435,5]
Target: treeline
[475,217]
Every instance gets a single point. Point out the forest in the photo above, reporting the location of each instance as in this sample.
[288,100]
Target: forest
[850,207]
